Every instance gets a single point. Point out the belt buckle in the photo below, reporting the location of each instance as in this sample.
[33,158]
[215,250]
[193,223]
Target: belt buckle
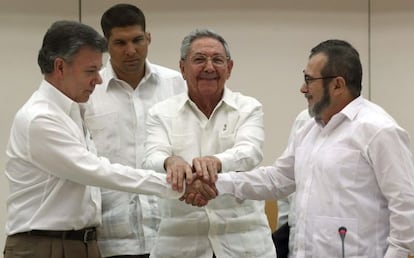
[85,234]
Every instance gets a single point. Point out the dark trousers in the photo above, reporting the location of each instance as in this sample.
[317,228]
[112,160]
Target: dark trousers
[281,240]
[30,246]
[130,256]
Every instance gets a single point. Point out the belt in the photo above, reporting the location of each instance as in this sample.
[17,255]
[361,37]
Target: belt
[85,235]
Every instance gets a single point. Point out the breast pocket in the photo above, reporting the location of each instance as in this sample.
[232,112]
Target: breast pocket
[343,165]
[226,141]
[104,130]
[185,146]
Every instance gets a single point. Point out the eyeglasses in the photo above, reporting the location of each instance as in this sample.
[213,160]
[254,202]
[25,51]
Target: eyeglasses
[216,60]
[308,79]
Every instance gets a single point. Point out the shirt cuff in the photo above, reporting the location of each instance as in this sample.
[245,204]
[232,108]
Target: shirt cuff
[225,184]
[169,192]
[226,162]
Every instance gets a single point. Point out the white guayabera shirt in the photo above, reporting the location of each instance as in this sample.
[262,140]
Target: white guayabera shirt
[116,117]
[234,134]
[356,172]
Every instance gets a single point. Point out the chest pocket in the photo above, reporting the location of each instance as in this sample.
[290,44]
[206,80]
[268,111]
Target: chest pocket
[226,141]
[104,130]
[185,146]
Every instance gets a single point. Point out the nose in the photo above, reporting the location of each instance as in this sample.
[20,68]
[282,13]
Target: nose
[98,79]
[209,65]
[304,88]
[130,49]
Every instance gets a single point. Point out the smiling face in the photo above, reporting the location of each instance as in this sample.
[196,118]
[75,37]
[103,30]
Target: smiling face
[206,69]
[77,78]
[128,48]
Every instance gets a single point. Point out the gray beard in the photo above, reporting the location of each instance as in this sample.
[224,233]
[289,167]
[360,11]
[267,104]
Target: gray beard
[316,110]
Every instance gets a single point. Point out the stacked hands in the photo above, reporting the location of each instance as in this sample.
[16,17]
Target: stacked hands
[199,178]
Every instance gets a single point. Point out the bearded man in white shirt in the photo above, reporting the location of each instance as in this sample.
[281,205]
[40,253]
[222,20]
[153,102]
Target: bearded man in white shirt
[351,166]
[209,130]
[54,175]
[116,117]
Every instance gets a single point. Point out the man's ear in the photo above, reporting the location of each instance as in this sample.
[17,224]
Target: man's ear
[230,64]
[148,36]
[339,83]
[58,65]
[181,63]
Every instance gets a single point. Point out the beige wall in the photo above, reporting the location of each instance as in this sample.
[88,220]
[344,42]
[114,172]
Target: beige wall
[270,41]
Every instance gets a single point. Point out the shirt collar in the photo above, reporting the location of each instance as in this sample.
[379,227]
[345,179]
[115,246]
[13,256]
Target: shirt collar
[109,75]
[228,98]
[351,110]
[54,95]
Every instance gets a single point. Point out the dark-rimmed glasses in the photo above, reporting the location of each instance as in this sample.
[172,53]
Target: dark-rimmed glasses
[308,79]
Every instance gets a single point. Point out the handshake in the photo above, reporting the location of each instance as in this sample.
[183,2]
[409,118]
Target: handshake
[199,178]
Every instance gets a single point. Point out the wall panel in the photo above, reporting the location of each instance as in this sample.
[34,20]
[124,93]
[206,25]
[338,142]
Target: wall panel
[392,59]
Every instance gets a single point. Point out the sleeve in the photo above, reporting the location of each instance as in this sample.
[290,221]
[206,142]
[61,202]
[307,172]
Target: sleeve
[391,158]
[157,146]
[58,151]
[283,207]
[246,152]
[263,183]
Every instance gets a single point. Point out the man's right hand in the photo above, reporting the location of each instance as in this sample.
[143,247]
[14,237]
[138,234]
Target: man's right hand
[178,170]
[199,192]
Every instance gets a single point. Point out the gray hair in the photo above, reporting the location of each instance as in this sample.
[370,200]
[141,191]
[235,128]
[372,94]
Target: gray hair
[202,33]
[64,39]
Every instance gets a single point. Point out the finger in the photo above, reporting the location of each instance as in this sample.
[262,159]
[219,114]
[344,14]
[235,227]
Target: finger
[208,192]
[205,170]
[174,179]
[200,202]
[197,167]
[182,198]
[215,190]
[212,172]
[169,175]
[190,198]
[180,180]
[197,200]
[189,175]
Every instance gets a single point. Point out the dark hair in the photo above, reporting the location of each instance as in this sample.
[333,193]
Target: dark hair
[64,39]
[344,61]
[201,33]
[121,15]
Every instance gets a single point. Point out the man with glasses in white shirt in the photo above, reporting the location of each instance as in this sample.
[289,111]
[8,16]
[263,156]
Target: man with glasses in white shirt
[351,166]
[208,130]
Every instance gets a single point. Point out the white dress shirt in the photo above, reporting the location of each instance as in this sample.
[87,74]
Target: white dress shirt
[116,117]
[234,134]
[286,209]
[51,162]
[286,206]
[357,172]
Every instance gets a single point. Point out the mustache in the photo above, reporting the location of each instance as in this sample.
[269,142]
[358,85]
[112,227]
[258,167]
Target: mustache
[208,76]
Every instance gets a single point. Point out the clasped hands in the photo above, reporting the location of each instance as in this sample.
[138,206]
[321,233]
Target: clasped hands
[199,178]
